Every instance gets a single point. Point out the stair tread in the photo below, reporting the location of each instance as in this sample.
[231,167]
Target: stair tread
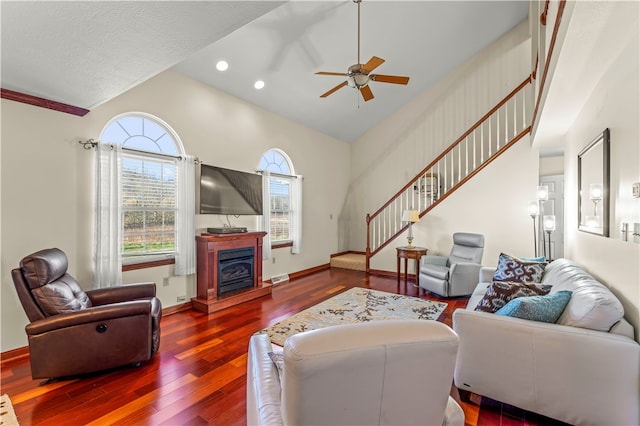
[349,261]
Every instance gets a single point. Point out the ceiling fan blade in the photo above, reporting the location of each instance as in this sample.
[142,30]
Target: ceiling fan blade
[395,79]
[373,63]
[339,86]
[367,95]
[331,73]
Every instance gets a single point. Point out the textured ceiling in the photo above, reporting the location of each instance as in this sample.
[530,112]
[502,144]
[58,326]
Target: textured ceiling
[85,53]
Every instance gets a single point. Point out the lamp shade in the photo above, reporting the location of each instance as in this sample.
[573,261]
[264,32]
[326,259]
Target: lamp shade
[543,193]
[410,216]
[534,208]
[595,191]
[549,223]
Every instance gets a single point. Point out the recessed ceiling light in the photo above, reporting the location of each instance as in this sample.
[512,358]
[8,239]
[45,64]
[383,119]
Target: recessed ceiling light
[222,65]
[258,84]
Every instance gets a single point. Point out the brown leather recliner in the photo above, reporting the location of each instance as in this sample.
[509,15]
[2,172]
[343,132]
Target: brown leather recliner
[75,332]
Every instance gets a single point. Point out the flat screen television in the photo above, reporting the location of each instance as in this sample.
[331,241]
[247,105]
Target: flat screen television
[226,191]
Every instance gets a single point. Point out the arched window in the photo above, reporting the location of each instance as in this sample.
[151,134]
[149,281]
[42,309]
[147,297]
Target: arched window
[283,229]
[150,151]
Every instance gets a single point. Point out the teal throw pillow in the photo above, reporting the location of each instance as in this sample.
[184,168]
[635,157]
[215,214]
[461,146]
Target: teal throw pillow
[547,308]
[534,259]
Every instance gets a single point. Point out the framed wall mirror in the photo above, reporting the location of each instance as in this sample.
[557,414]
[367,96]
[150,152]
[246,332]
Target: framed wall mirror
[593,186]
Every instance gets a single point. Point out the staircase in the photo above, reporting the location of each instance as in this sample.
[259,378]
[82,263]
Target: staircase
[498,130]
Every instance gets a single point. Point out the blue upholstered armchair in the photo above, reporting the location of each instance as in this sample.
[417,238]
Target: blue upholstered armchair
[456,275]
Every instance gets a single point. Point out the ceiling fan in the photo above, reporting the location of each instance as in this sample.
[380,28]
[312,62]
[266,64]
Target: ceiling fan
[358,75]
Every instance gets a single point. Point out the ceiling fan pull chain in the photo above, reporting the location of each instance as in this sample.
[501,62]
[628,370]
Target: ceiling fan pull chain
[358,1]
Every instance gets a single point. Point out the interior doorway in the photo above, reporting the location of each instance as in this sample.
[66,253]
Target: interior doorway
[554,241]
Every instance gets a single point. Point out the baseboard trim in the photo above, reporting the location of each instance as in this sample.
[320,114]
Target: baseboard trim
[21,352]
[13,355]
[305,272]
[390,274]
[176,308]
[18,353]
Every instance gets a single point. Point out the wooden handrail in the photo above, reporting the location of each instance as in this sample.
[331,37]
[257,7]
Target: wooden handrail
[454,144]
[552,45]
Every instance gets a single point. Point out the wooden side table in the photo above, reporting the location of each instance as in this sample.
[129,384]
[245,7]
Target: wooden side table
[407,253]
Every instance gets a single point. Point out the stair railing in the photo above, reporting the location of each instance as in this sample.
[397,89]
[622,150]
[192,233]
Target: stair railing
[495,132]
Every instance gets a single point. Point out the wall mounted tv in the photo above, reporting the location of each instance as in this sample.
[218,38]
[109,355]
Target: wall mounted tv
[226,191]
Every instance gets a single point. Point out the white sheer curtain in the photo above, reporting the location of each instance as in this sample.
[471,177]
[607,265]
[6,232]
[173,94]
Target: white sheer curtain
[265,223]
[108,228]
[185,217]
[296,219]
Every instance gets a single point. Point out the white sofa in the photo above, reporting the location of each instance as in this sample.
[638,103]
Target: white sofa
[375,373]
[584,369]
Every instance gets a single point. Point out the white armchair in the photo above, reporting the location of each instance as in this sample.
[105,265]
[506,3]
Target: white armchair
[356,374]
[456,275]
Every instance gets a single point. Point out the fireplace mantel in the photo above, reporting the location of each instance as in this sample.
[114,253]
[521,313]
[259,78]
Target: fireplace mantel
[208,247]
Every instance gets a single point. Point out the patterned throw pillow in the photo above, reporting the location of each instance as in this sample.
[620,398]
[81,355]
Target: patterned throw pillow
[514,269]
[546,308]
[500,293]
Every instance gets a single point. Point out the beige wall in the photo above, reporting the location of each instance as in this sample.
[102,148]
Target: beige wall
[551,166]
[47,179]
[613,104]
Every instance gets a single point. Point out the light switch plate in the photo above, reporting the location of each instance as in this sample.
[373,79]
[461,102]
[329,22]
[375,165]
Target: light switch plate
[636,190]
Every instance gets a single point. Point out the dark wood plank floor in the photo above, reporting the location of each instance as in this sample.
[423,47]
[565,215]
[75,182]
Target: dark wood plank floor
[199,374]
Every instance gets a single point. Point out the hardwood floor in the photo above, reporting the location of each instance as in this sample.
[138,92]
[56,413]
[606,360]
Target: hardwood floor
[199,374]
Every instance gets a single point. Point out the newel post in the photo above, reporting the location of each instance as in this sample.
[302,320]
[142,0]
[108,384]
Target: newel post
[368,250]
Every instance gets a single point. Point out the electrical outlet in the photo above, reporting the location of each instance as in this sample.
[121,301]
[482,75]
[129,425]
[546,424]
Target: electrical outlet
[636,190]
[165,282]
[273,260]
[182,298]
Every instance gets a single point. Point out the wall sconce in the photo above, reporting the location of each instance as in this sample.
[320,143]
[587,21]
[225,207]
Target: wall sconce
[549,225]
[595,194]
[534,211]
[411,216]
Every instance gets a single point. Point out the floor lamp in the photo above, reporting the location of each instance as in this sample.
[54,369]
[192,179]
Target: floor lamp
[543,195]
[534,211]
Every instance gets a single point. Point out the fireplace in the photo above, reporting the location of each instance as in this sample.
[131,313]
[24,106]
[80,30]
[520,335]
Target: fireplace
[229,270]
[235,270]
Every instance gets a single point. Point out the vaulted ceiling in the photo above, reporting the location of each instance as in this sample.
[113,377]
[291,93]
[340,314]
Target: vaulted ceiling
[84,53]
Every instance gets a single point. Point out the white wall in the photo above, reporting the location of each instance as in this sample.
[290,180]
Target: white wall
[393,152]
[551,166]
[47,179]
[613,104]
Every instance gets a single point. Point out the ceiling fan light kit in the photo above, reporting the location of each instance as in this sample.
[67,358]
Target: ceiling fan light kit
[358,75]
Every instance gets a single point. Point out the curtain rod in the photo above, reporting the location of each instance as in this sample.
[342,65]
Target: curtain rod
[281,174]
[90,143]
